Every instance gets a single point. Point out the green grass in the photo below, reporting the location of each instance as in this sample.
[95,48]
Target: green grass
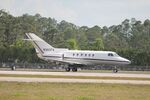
[76,91]
[74,77]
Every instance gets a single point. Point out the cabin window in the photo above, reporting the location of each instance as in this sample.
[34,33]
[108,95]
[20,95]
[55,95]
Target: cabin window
[85,54]
[92,55]
[73,54]
[89,55]
[110,54]
[77,54]
[81,54]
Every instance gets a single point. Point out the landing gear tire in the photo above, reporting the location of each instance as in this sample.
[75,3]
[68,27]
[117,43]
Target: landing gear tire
[74,69]
[67,69]
[115,70]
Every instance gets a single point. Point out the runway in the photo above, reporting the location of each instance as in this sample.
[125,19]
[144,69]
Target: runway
[71,80]
[77,74]
[64,80]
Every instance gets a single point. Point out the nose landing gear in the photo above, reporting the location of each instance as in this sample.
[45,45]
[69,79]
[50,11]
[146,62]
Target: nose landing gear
[115,70]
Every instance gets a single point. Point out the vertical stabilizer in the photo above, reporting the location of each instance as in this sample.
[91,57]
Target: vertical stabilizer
[39,44]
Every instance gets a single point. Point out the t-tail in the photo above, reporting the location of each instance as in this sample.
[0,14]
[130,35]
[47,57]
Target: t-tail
[39,44]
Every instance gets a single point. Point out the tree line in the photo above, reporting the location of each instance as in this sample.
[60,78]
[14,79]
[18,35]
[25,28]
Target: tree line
[130,39]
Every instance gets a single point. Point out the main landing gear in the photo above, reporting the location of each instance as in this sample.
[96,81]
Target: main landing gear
[67,69]
[71,67]
[74,69]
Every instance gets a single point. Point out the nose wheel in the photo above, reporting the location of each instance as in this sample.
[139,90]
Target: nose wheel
[115,70]
[13,68]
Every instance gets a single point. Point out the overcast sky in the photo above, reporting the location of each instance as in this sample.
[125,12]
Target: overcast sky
[82,12]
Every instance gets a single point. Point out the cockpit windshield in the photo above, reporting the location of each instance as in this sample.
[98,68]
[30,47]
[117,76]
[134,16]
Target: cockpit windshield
[113,54]
[110,54]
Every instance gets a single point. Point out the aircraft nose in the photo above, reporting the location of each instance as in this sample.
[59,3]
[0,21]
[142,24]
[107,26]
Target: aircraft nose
[126,61]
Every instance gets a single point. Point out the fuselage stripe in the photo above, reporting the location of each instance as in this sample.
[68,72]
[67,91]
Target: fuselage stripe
[86,59]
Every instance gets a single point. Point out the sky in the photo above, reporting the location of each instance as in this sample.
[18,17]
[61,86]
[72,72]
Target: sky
[82,12]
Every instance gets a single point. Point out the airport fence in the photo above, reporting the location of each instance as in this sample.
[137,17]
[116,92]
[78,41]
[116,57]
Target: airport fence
[30,65]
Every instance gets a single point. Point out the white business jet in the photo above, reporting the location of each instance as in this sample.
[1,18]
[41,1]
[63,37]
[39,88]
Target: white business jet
[74,58]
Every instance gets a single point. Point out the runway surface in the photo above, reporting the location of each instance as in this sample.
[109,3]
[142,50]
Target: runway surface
[64,80]
[71,80]
[77,74]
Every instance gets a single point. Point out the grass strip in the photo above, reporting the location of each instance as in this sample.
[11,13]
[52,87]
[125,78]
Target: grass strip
[72,91]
